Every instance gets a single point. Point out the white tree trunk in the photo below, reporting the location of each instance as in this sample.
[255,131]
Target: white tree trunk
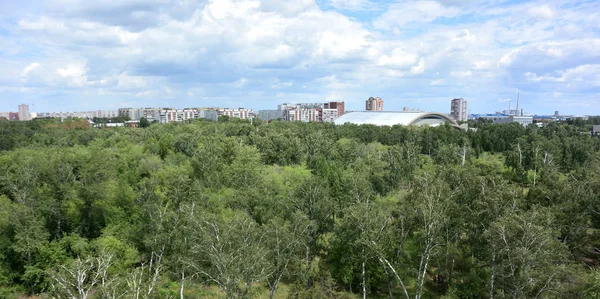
[364,282]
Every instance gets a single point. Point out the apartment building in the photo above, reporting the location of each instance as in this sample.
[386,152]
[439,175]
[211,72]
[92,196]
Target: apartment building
[374,104]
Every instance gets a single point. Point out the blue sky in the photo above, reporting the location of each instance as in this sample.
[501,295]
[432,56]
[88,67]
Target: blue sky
[72,55]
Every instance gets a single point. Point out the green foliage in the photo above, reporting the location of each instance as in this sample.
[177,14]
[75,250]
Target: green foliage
[237,209]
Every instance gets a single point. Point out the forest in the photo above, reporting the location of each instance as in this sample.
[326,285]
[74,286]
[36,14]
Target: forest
[240,209]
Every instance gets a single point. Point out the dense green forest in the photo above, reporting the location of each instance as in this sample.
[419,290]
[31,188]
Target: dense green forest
[298,210]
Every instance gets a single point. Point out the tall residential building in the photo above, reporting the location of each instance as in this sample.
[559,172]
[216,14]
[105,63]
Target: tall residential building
[374,104]
[336,105]
[459,109]
[24,112]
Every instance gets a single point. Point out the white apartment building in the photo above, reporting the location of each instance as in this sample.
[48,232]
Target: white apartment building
[329,115]
[310,114]
[24,112]
[81,114]
[236,113]
[459,109]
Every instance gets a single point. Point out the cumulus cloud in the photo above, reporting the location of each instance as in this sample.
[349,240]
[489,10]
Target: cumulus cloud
[461,74]
[242,50]
[541,12]
[437,82]
[29,68]
[348,4]
[414,12]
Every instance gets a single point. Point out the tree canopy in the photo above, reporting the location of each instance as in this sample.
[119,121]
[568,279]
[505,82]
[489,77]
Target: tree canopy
[240,209]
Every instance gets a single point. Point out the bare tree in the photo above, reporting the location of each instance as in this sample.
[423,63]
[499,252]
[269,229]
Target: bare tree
[77,279]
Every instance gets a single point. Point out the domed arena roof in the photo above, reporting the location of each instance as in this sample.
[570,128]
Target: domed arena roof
[390,118]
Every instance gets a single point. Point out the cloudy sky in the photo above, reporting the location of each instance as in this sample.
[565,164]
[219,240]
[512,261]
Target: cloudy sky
[72,55]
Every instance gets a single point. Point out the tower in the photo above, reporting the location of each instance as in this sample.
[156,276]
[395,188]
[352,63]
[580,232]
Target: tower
[374,104]
[24,112]
[459,109]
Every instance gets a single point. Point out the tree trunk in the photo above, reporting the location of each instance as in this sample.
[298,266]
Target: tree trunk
[389,282]
[382,260]
[364,283]
[422,274]
[273,286]
[493,273]
[182,284]
[308,265]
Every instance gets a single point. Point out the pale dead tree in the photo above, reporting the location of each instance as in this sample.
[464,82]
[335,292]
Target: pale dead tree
[21,183]
[381,238]
[285,243]
[76,280]
[536,151]
[312,200]
[361,193]
[493,272]
[548,158]
[520,154]
[529,260]
[432,212]
[463,155]
[229,253]
[142,281]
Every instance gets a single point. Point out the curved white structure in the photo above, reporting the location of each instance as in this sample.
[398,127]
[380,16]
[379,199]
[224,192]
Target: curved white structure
[390,118]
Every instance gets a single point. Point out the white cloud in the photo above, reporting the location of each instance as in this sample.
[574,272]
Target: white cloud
[414,12]
[348,4]
[541,12]
[30,68]
[465,36]
[74,74]
[398,58]
[170,48]
[241,82]
[437,82]
[461,74]
[481,65]
[419,68]
[588,74]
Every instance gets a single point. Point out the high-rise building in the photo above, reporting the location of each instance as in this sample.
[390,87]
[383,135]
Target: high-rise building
[336,105]
[374,104]
[24,112]
[459,109]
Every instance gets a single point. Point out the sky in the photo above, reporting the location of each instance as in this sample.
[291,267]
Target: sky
[75,55]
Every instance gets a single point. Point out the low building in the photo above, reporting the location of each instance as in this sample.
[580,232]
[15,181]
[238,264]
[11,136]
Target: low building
[270,114]
[522,120]
[492,117]
[391,118]
[241,113]
[9,115]
[596,130]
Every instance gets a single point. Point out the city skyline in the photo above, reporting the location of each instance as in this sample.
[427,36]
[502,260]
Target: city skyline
[72,55]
